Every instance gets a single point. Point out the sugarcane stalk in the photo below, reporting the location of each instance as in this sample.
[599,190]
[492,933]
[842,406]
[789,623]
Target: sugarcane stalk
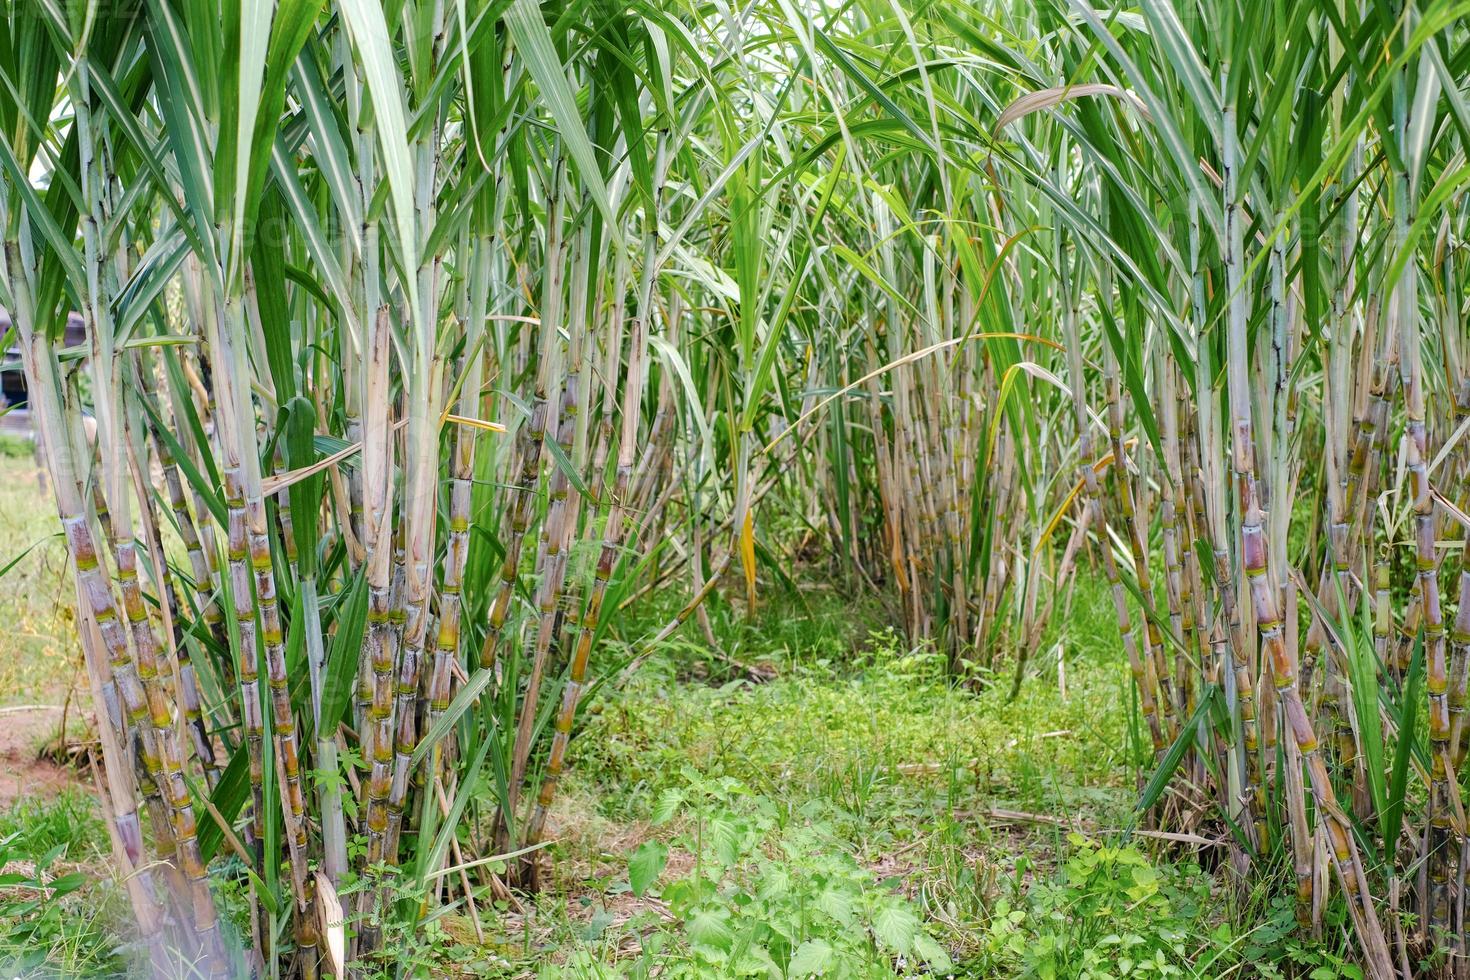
[1156,672]
[101,631]
[615,525]
[1255,557]
[560,516]
[376,656]
[472,372]
[209,612]
[534,434]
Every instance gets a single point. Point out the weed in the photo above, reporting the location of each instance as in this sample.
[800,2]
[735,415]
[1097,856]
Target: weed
[55,918]
[773,891]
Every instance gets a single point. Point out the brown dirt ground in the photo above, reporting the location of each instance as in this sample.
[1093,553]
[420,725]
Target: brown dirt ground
[27,769]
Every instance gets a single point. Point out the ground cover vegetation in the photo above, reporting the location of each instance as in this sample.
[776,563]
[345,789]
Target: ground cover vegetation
[433,348]
[896,788]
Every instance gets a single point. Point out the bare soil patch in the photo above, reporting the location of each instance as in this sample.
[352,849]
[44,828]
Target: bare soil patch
[27,769]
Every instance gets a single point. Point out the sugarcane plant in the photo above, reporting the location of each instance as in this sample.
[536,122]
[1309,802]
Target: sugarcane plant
[1248,219]
[425,340]
[371,297]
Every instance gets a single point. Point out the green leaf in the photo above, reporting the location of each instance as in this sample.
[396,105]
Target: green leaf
[674,360]
[66,883]
[895,926]
[61,246]
[646,864]
[668,804]
[708,927]
[724,838]
[468,697]
[1393,816]
[365,23]
[470,780]
[533,41]
[811,957]
[852,71]
[837,903]
[228,797]
[932,953]
[31,547]
[567,467]
[1176,752]
[342,655]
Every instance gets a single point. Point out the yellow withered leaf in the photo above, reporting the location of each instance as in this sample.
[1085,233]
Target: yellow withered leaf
[747,557]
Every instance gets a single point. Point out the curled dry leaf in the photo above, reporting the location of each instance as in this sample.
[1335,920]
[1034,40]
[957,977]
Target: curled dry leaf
[1048,97]
[333,924]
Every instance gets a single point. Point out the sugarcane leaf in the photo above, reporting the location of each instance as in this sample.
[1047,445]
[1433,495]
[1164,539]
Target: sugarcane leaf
[343,652]
[1049,97]
[711,194]
[852,71]
[1393,814]
[185,463]
[329,148]
[186,416]
[323,256]
[41,216]
[329,445]
[469,782]
[228,797]
[1430,212]
[463,701]
[29,548]
[369,31]
[770,347]
[567,467]
[774,564]
[1185,61]
[265,892]
[1174,755]
[746,542]
[104,86]
[180,90]
[267,72]
[159,266]
[297,675]
[615,63]
[1363,675]
[533,41]
[670,355]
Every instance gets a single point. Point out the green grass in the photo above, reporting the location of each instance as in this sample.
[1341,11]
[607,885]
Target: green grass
[60,915]
[41,661]
[16,447]
[883,728]
[69,821]
[862,779]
